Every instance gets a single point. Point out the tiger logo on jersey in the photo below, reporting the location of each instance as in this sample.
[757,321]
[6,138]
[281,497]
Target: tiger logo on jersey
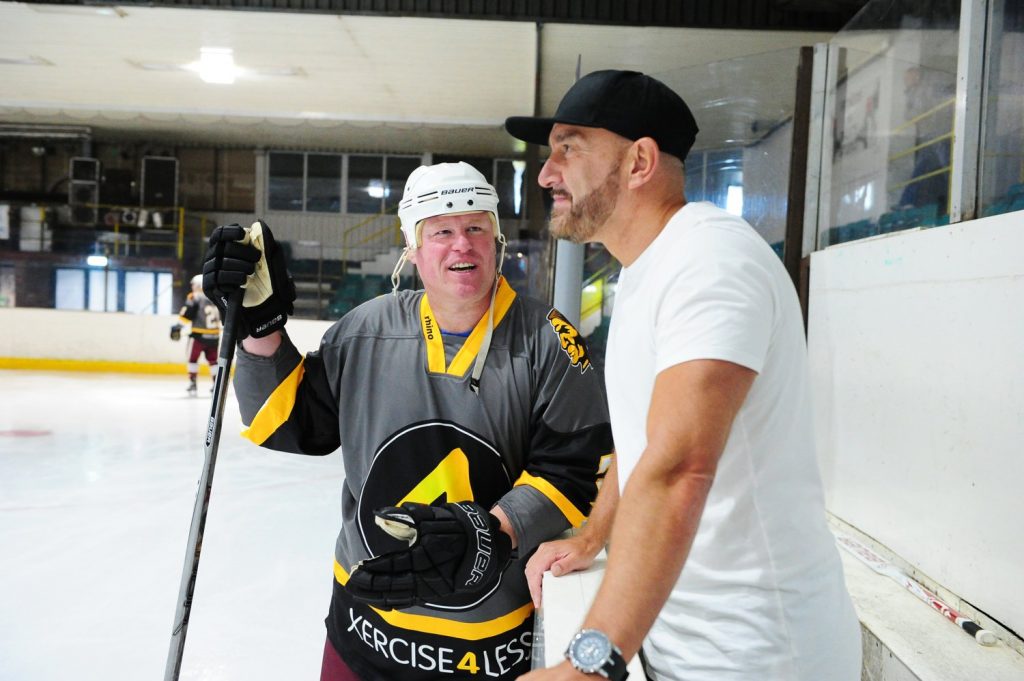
[571,340]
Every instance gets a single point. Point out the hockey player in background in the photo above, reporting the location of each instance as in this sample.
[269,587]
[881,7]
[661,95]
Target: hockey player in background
[202,315]
[472,427]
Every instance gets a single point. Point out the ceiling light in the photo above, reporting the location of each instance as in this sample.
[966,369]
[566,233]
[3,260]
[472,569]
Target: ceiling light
[96,261]
[217,65]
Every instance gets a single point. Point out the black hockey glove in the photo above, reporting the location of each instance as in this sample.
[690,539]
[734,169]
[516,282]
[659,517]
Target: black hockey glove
[176,332]
[249,258]
[455,549]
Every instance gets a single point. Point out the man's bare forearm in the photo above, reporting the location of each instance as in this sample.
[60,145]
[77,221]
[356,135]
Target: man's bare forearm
[598,527]
[655,524]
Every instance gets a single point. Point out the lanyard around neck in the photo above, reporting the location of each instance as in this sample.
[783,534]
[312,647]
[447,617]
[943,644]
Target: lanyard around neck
[464,357]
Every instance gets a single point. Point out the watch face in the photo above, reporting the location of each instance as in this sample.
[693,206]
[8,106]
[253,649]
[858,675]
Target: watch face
[589,650]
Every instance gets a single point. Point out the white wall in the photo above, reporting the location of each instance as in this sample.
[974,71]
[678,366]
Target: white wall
[41,334]
[916,343]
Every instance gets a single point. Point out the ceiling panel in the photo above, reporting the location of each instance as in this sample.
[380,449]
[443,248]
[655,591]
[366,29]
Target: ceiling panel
[360,82]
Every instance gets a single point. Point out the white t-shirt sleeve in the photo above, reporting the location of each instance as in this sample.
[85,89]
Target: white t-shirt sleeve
[719,305]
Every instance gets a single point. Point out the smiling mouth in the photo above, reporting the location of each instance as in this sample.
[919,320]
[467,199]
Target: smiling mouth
[462,267]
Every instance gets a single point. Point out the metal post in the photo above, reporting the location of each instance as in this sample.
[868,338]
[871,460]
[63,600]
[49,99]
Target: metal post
[568,293]
[828,117]
[967,121]
[815,147]
[569,280]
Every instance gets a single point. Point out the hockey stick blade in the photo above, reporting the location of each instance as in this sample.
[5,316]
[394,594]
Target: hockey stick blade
[884,567]
[202,502]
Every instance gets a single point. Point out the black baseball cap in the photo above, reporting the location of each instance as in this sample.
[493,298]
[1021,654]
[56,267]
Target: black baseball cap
[627,103]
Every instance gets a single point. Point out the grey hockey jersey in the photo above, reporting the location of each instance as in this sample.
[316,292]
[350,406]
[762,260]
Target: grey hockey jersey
[393,391]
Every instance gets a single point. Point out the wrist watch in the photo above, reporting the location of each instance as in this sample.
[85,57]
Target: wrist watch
[591,652]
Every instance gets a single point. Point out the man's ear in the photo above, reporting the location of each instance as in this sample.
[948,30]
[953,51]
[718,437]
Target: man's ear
[643,157]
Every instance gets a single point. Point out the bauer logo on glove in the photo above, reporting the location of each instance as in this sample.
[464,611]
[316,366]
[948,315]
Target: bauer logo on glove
[456,556]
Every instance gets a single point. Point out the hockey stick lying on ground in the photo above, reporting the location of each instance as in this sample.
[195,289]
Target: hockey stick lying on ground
[884,567]
[202,504]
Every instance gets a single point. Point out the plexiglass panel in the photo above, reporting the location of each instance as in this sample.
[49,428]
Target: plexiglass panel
[1002,154]
[740,161]
[893,120]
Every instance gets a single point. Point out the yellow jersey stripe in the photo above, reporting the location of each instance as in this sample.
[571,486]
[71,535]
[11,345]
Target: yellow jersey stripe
[567,508]
[468,631]
[276,410]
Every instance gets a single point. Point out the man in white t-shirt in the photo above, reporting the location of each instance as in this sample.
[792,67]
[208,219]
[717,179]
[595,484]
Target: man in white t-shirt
[721,563]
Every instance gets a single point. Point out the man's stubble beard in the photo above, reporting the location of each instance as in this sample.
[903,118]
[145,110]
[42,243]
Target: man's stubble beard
[589,214]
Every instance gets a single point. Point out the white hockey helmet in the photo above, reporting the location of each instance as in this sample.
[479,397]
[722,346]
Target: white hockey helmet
[196,281]
[445,189]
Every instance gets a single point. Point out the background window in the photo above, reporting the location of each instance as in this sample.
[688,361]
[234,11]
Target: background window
[365,184]
[70,293]
[398,170]
[323,183]
[102,290]
[508,182]
[284,190]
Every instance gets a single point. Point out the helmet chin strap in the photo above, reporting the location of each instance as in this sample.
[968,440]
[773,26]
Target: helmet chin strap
[485,345]
[396,274]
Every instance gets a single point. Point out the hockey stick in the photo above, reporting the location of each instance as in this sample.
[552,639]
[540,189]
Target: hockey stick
[202,504]
[884,567]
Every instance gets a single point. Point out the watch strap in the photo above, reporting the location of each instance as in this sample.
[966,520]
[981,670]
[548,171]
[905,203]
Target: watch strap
[615,667]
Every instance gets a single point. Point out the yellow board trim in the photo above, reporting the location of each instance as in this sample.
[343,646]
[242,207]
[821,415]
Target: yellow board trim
[468,352]
[276,409]
[568,509]
[96,365]
[467,631]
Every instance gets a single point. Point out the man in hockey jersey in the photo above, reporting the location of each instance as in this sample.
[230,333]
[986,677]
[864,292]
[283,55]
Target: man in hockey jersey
[469,433]
[202,315]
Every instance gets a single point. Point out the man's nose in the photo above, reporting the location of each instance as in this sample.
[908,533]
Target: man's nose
[548,174]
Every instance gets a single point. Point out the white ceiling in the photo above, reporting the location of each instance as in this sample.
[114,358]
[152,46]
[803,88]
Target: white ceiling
[361,82]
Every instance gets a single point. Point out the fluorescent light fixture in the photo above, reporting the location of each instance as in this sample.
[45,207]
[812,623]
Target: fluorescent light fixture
[217,65]
[96,261]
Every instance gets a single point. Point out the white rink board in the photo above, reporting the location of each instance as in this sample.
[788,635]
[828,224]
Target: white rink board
[916,343]
[566,601]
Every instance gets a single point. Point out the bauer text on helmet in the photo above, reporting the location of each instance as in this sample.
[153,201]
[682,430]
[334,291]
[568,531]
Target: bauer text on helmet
[445,189]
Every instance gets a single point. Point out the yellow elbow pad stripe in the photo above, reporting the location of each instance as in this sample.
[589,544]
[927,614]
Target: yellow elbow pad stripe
[568,509]
[276,410]
[468,631]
